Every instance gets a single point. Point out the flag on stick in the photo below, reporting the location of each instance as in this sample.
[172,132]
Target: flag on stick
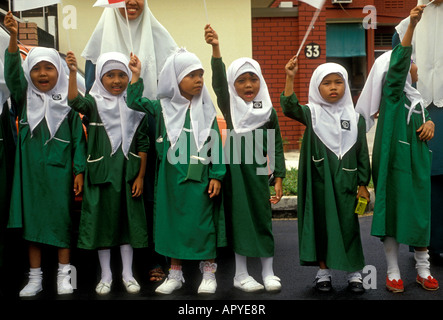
[116,4]
[110,3]
[23,5]
[206,11]
[318,4]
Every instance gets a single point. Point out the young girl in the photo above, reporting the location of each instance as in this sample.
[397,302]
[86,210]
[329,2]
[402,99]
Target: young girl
[244,99]
[334,171]
[189,222]
[50,151]
[112,209]
[401,159]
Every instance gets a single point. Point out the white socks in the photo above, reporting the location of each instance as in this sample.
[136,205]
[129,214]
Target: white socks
[64,285]
[421,258]
[422,263]
[104,257]
[323,275]
[241,268]
[391,251]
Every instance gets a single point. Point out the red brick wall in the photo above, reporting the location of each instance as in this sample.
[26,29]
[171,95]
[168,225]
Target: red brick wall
[27,33]
[275,41]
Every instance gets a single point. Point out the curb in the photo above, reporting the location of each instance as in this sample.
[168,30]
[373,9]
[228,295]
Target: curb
[287,207]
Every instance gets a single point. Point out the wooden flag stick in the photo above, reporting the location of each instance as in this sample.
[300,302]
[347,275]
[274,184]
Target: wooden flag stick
[206,11]
[314,19]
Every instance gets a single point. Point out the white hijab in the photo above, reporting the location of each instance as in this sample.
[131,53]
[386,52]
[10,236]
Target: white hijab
[51,105]
[247,116]
[4,91]
[120,122]
[152,43]
[368,103]
[335,124]
[175,106]
[428,52]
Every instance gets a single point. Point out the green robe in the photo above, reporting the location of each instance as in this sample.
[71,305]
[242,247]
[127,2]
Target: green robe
[246,192]
[187,223]
[110,215]
[42,195]
[401,163]
[327,187]
[7,152]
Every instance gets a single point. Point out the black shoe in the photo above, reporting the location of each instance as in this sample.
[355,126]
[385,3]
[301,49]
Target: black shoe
[356,287]
[323,286]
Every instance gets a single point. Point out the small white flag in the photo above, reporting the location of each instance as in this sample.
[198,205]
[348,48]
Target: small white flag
[110,3]
[23,5]
[315,3]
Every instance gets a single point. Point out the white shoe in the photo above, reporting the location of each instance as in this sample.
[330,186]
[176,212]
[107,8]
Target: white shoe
[207,286]
[64,284]
[272,283]
[31,289]
[131,286]
[248,285]
[103,288]
[169,286]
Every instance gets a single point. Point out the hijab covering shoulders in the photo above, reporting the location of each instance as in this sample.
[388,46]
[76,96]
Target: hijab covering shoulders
[369,101]
[248,116]
[175,106]
[120,122]
[335,124]
[51,105]
[152,43]
[428,52]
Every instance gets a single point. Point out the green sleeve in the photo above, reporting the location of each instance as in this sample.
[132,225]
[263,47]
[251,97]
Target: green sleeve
[293,109]
[83,105]
[397,74]
[217,169]
[220,86]
[280,164]
[136,101]
[78,143]
[15,79]
[142,136]
[363,163]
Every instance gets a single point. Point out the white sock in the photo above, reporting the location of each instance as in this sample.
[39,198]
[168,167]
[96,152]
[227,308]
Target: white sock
[104,257]
[391,251]
[35,275]
[323,275]
[175,272]
[267,266]
[422,263]
[208,269]
[241,267]
[127,254]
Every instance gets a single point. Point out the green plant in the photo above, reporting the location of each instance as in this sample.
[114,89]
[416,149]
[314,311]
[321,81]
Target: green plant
[289,183]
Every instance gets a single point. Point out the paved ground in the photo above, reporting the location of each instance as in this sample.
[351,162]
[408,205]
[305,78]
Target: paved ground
[297,281]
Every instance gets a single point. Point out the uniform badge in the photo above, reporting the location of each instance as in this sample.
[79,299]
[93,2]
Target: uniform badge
[56,96]
[346,125]
[257,104]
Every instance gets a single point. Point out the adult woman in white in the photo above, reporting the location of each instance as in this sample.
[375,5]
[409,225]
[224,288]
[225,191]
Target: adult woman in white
[152,44]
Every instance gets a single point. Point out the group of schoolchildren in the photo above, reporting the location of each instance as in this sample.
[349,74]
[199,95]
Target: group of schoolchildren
[200,205]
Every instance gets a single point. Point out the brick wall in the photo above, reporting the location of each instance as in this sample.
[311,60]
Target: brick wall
[27,33]
[275,41]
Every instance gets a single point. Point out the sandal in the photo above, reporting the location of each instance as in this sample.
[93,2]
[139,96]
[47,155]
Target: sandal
[156,275]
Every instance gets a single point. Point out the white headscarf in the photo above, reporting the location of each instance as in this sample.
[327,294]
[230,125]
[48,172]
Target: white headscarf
[120,122]
[247,116]
[368,103]
[51,105]
[152,43]
[334,123]
[428,52]
[4,91]
[175,106]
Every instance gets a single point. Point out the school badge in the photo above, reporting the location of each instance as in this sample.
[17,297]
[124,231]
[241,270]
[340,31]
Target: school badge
[257,104]
[346,125]
[56,96]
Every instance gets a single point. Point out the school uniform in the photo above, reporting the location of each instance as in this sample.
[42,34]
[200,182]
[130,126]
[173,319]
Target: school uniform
[401,161]
[246,183]
[333,163]
[110,215]
[187,223]
[50,151]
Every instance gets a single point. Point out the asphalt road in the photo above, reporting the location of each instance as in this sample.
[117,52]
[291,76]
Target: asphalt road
[297,282]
